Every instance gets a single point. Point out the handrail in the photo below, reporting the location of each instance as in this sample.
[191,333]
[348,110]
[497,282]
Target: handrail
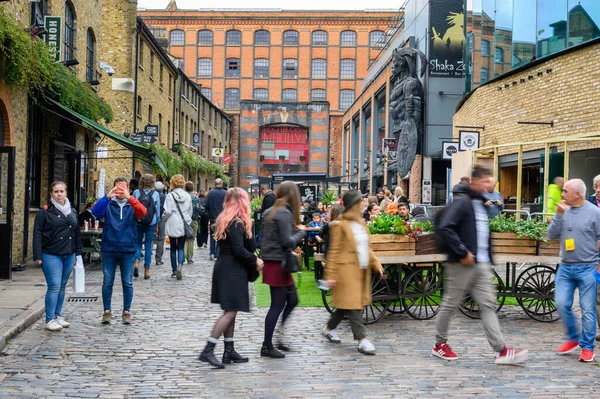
[518,211]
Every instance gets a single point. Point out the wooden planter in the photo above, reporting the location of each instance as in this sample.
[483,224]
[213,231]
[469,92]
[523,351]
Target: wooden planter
[398,245]
[549,248]
[509,243]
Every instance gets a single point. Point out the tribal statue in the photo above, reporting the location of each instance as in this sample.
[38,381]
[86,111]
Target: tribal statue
[406,105]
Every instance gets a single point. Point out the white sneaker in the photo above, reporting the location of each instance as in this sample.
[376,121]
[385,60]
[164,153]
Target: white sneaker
[331,336]
[212,257]
[52,325]
[366,347]
[63,323]
[179,272]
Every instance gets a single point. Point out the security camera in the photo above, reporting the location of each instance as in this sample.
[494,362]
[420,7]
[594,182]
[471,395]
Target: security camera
[110,71]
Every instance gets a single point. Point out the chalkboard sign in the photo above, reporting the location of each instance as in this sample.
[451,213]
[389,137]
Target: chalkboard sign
[143,138]
[307,193]
[58,172]
[152,130]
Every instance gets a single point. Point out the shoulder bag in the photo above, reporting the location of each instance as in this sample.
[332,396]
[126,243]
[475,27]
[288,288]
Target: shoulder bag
[189,232]
[290,262]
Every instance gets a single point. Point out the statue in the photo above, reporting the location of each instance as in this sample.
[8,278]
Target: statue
[406,105]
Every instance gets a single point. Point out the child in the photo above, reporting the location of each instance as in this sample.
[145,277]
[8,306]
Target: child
[316,223]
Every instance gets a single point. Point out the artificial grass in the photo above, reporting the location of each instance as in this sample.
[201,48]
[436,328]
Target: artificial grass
[309,296]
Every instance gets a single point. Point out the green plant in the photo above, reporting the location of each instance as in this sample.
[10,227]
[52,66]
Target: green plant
[388,224]
[328,197]
[534,229]
[425,227]
[255,203]
[171,161]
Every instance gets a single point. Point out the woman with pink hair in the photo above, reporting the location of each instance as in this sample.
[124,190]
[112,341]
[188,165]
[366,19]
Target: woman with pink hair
[232,271]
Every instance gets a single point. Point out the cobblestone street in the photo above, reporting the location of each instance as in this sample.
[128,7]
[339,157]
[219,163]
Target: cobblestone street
[156,356]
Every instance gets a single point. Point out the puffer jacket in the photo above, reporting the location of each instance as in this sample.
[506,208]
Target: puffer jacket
[119,231]
[173,223]
[54,233]
[278,234]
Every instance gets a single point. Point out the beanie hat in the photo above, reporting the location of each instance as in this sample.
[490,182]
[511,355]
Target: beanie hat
[159,186]
[350,198]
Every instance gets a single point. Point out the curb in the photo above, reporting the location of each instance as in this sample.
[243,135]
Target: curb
[22,322]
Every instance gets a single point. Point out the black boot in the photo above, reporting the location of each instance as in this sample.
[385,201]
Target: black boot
[208,356]
[270,351]
[231,356]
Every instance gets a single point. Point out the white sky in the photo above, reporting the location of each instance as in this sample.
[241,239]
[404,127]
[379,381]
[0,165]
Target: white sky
[289,5]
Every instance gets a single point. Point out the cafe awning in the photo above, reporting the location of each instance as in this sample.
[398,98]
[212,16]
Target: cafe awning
[124,141]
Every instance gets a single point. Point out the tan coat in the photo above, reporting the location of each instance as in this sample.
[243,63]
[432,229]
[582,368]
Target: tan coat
[353,291]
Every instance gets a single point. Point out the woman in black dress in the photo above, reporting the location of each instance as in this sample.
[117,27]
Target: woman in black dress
[233,269]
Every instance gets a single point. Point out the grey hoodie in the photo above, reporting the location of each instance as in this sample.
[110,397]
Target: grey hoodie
[173,223]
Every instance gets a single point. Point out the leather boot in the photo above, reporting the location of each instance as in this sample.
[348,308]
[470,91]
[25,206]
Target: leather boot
[146,273]
[135,268]
[231,356]
[270,351]
[208,355]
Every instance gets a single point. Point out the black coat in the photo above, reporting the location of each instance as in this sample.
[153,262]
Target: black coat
[268,201]
[458,226]
[55,234]
[278,233]
[214,202]
[592,199]
[230,274]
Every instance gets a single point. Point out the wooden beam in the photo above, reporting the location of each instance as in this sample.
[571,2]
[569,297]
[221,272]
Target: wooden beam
[566,160]
[387,128]
[546,176]
[519,178]
[496,164]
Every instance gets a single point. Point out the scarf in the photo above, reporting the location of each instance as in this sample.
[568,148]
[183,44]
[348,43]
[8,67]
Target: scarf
[64,209]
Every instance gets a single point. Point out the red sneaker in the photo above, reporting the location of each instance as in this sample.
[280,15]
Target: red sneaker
[443,351]
[586,356]
[567,347]
[511,356]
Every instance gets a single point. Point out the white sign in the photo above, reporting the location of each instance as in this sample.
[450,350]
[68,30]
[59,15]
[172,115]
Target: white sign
[217,152]
[102,152]
[468,140]
[448,149]
[426,191]
[101,178]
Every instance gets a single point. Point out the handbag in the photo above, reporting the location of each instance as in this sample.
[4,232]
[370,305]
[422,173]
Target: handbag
[189,232]
[290,262]
[252,273]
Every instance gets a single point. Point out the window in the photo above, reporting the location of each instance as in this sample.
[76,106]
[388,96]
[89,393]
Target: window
[39,11]
[170,85]
[204,67]
[346,99]
[290,68]
[485,47]
[348,38]
[160,76]
[176,37]
[347,69]
[498,55]
[376,38]
[151,64]
[289,95]
[261,94]
[90,55]
[159,124]
[483,75]
[139,107]
[290,38]
[319,38]
[149,114]
[141,54]
[69,32]
[232,67]
[319,69]
[205,38]
[232,99]
[206,92]
[262,38]
[318,95]
[261,68]
[233,38]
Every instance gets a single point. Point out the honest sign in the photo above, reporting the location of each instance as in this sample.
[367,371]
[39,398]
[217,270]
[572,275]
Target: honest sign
[53,35]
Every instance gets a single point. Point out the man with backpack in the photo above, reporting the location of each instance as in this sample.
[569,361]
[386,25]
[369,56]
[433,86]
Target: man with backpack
[196,214]
[159,187]
[147,224]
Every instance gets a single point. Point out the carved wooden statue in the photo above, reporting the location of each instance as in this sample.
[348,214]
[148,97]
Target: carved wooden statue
[406,105]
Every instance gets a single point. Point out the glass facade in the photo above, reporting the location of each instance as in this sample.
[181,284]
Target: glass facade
[505,34]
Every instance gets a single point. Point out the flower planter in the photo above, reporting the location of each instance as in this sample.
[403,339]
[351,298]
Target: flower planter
[509,243]
[399,244]
[549,248]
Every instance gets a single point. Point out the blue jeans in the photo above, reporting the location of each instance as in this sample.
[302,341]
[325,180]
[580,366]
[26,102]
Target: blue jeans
[177,253]
[109,268]
[57,270]
[580,276]
[145,236]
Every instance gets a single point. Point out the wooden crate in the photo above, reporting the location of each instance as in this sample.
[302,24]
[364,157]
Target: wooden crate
[509,243]
[549,248]
[399,245]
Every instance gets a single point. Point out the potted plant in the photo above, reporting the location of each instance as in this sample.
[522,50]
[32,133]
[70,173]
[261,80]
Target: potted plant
[392,236]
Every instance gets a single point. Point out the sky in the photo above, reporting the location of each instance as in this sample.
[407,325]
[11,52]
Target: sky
[302,5]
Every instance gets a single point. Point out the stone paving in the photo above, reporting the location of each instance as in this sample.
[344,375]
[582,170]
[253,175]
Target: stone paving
[156,356]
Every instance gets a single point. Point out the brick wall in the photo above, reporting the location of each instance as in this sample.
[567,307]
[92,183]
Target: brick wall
[335,145]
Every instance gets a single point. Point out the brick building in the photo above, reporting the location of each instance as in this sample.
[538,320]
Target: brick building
[275,56]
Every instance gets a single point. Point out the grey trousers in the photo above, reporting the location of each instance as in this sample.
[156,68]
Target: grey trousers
[475,280]
[160,245]
[355,318]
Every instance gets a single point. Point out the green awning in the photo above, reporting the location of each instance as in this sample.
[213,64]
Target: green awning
[124,141]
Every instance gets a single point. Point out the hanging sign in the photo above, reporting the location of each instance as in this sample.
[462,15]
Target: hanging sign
[53,36]
[217,152]
[152,130]
[227,158]
[196,139]
[448,149]
[447,38]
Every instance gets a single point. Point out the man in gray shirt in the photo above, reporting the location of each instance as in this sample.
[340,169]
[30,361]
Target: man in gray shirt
[577,223]
[493,201]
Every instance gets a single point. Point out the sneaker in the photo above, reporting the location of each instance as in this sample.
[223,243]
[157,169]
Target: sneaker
[443,351]
[159,262]
[366,347]
[567,347]
[53,325]
[179,272]
[106,317]
[586,356]
[126,317]
[174,275]
[510,356]
[212,257]
[190,262]
[63,323]
[331,336]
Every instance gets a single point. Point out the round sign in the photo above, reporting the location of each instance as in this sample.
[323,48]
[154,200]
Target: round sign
[451,149]
[469,141]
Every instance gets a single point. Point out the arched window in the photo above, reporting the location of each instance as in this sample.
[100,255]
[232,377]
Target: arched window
[205,37]
[319,38]
[346,99]
[290,38]
[261,68]
[232,99]
[69,41]
[290,68]
[177,37]
[347,69]
[261,94]
[289,95]
[262,38]
[233,37]
[318,95]
[319,69]
[377,38]
[90,55]
[204,67]
[348,38]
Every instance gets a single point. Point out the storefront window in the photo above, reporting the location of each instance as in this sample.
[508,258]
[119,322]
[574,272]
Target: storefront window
[584,21]
[551,26]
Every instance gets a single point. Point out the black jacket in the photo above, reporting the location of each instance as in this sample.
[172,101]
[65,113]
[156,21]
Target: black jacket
[214,202]
[592,199]
[458,227]
[55,234]
[267,202]
[278,234]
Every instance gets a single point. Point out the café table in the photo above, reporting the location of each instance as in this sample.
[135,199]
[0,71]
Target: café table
[90,242]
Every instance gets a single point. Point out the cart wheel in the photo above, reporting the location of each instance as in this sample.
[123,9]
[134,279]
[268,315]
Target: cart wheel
[422,293]
[470,308]
[395,283]
[535,293]
[381,293]
[326,295]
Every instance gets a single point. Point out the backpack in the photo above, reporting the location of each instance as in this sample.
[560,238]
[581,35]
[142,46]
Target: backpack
[197,207]
[148,201]
[440,243]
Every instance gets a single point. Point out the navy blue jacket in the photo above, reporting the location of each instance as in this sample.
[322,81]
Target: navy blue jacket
[214,202]
[592,199]
[55,233]
[119,231]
